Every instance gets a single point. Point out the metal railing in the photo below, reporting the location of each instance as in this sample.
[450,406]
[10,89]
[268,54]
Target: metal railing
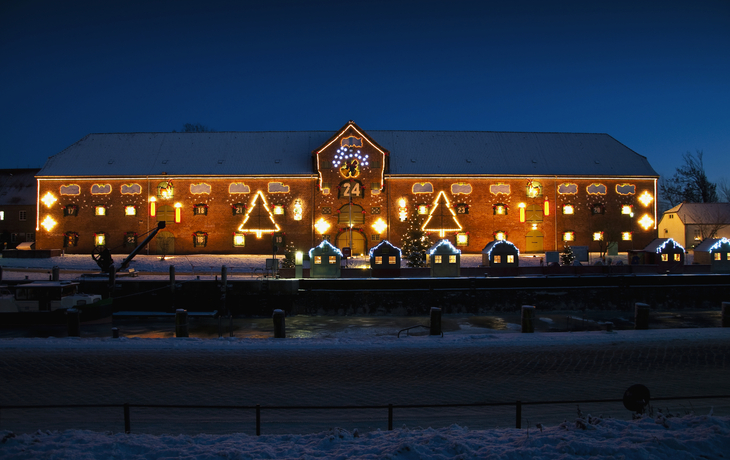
[390,407]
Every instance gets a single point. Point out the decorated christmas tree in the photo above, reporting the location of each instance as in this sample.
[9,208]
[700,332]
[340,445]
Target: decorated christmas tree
[567,257]
[415,242]
[289,256]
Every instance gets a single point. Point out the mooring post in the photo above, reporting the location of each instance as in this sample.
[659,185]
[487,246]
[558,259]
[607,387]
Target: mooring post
[73,325]
[390,417]
[435,321]
[115,333]
[172,279]
[181,322]
[112,280]
[258,419]
[528,318]
[127,422]
[641,316]
[279,329]
[726,314]
[55,273]
[518,415]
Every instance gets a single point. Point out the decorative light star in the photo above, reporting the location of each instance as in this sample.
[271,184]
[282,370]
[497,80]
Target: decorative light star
[646,221]
[48,199]
[646,198]
[48,223]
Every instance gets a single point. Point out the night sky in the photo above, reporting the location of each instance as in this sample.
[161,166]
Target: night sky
[655,74]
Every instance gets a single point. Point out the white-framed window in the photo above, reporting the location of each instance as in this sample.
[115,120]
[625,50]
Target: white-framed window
[452,259]
[22,216]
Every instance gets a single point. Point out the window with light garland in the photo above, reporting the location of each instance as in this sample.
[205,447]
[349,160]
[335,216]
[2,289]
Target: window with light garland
[239,240]
[568,209]
[100,239]
[100,210]
[462,239]
[568,236]
[200,239]
[626,209]
[130,210]
[500,235]
[626,236]
[200,209]
[462,208]
[70,210]
[499,209]
[422,209]
[533,189]
[597,236]
[130,240]
[238,209]
[70,239]
[598,208]
[279,210]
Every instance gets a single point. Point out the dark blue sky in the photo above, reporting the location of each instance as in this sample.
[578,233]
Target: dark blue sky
[655,74]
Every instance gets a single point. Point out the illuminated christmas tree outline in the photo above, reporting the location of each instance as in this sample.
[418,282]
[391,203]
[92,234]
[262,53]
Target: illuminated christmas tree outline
[437,205]
[254,205]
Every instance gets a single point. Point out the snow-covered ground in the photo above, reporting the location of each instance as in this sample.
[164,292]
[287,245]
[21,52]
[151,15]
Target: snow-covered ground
[206,266]
[658,436]
[655,437]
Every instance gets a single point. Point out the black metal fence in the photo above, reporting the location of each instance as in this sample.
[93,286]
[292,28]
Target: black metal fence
[389,407]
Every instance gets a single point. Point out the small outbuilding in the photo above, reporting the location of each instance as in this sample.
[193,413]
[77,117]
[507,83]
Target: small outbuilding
[720,256]
[666,253]
[325,261]
[500,253]
[385,260]
[702,251]
[444,259]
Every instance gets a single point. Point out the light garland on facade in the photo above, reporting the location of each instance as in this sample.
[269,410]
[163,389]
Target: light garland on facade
[259,231]
[48,223]
[48,199]
[402,210]
[178,211]
[442,231]
[380,226]
[322,226]
[298,209]
[522,207]
[153,206]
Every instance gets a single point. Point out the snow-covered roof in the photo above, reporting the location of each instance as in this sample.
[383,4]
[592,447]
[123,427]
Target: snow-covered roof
[417,153]
[18,186]
[702,213]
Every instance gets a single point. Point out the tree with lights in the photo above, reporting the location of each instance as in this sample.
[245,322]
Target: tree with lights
[568,256]
[289,256]
[415,242]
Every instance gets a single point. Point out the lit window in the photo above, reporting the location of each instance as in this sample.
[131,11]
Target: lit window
[665,257]
[238,208]
[99,239]
[698,235]
[333,259]
[497,259]
[626,209]
[2,215]
[375,237]
[500,235]
[239,240]
[718,256]
[100,210]
[437,259]
[130,211]
[626,236]
[378,260]
[278,210]
[568,209]
[462,239]
[392,260]
[500,210]
[598,236]
[22,216]
[727,256]
[452,259]
[677,257]
[569,236]
[510,259]
[422,209]
[317,260]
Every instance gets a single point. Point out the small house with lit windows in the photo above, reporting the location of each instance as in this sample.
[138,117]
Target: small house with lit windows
[242,192]
[385,260]
[444,259]
[665,253]
[714,252]
[500,253]
[325,261]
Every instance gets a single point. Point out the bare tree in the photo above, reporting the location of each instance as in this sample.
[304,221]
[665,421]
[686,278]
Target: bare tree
[689,183]
[610,234]
[724,189]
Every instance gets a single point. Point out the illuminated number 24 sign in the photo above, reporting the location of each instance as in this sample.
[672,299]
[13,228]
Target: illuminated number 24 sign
[350,189]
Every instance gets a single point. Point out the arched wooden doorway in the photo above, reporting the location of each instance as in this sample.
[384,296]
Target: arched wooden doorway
[359,246]
[533,241]
[165,243]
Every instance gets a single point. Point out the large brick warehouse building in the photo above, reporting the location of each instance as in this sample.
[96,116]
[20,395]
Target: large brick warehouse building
[229,192]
